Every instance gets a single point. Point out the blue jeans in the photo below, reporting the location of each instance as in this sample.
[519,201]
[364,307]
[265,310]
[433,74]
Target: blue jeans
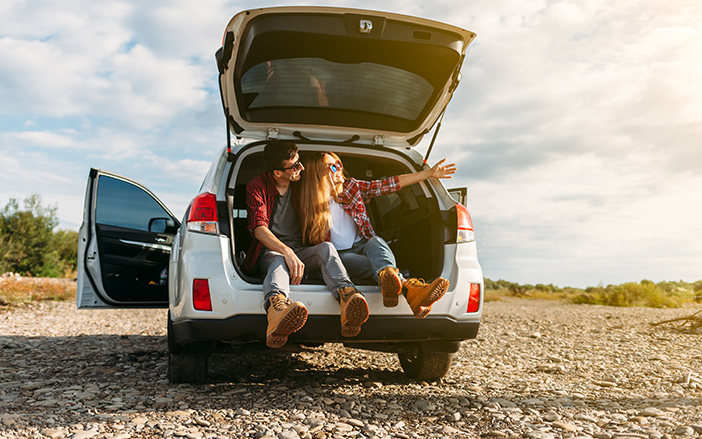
[318,258]
[367,257]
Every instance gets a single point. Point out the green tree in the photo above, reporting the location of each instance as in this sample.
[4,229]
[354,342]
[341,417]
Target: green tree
[28,244]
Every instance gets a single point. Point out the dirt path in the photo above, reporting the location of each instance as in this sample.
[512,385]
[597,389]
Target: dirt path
[538,369]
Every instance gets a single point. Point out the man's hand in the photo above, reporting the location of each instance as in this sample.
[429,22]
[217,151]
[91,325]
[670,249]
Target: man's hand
[295,266]
[269,240]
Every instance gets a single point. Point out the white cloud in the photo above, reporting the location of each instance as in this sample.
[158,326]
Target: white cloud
[41,139]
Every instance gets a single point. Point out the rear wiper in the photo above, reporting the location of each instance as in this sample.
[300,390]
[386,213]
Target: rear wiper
[352,139]
[300,136]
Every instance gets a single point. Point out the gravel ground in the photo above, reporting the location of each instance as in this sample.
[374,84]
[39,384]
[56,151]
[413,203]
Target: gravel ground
[538,369]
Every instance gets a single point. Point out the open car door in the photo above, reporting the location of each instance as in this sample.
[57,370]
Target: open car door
[460,194]
[124,245]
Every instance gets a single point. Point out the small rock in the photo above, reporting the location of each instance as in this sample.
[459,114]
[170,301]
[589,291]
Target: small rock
[652,412]
[356,423]
[551,416]
[85,434]
[586,418]
[48,432]
[423,405]
[684,431]
[288,434]
[567,427]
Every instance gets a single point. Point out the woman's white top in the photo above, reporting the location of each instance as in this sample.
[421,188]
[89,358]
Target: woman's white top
[344,231]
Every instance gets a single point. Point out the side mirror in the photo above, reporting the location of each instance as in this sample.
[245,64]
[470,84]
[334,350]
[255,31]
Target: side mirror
[161,225]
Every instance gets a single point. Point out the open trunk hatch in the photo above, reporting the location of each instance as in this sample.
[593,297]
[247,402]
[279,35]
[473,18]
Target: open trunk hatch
[334,74]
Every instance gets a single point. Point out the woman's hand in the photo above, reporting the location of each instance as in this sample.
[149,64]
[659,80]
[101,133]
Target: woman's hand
[442,171]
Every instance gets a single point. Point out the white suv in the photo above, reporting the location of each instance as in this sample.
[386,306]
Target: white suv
[366,85]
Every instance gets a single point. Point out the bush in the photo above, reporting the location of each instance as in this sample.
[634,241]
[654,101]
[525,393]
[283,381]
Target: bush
[28,243]
[644,293]
[16,291]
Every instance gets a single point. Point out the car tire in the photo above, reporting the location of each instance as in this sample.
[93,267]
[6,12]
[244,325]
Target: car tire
[421,365]
[187,363]
[187,368]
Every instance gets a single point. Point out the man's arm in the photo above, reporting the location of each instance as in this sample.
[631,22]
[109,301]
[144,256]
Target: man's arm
[259,218]
[271,242]
[437,171]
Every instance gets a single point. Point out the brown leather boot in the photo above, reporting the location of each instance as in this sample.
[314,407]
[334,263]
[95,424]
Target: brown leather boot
[284,318]
[390,285]
[421,296]
[354,311]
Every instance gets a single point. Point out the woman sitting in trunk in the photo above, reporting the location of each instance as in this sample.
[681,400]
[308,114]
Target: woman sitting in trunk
[333,210]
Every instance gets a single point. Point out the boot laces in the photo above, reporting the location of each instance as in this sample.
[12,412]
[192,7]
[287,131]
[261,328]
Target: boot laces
[346,293]
[279,302]
[416,283]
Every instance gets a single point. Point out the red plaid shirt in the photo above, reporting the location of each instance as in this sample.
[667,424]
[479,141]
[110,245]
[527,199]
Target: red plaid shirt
[355,191]
[261,194]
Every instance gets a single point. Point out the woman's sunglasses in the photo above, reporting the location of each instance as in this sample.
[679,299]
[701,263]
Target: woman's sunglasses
[336,166]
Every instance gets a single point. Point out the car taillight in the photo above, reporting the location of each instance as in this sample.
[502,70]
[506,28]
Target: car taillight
[474,298]
[201,295]
[203,214]
[464,232]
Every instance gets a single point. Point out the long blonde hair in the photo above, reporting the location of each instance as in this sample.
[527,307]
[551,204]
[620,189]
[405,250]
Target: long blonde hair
[316,191]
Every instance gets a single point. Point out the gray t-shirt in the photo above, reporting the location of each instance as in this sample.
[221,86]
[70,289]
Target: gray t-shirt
[285,223]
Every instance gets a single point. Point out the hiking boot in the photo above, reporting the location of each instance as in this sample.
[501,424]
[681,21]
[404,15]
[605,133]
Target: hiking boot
[390,285]
[421,296]
[354,311]
[284,318]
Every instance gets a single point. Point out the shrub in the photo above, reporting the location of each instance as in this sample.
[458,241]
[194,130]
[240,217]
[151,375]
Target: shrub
[28,243]
[645,293]
[20,290]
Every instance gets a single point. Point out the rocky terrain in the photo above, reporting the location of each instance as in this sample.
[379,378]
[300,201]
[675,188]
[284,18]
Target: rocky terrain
[538,369]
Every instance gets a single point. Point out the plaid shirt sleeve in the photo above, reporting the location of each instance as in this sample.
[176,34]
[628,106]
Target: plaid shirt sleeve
[258,203]
[376,188]
[356,191]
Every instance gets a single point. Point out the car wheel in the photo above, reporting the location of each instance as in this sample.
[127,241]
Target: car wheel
[187,368]
[187,363]
[422,365]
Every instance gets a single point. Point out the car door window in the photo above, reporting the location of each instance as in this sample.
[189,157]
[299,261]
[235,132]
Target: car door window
[121,204]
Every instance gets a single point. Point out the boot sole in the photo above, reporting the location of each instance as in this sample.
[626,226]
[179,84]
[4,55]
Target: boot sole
[437,292]
[390,286]
[291,322]
[356,315]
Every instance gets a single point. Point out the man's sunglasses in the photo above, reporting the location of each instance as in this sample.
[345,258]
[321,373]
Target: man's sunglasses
[297,166]
[336,166]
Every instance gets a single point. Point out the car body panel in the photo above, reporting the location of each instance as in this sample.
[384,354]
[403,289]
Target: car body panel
[319,72]
[123,252]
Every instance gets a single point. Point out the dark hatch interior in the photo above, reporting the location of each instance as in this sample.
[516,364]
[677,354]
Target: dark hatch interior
[410,222]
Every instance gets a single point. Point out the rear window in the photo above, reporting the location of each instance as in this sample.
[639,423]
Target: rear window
[318,69]
[315,82]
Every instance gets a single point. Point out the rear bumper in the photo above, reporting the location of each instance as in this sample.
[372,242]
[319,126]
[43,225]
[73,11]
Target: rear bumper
[327,329]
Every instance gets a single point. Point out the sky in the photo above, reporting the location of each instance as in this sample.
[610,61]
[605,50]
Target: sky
[577,127]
